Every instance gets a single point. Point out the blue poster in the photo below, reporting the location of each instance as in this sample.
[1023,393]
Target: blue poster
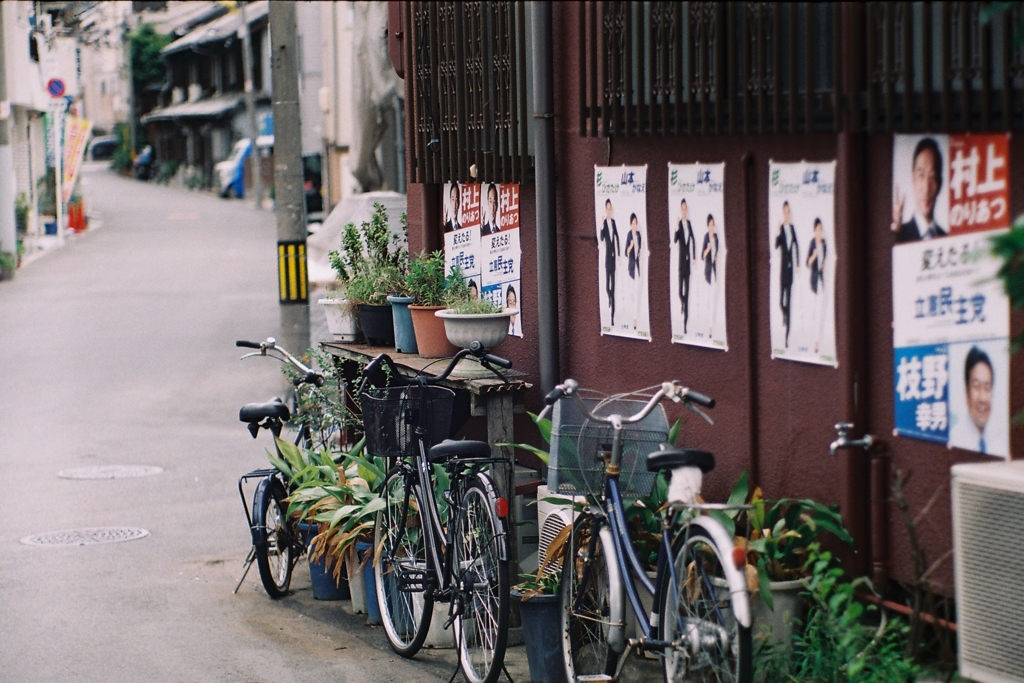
[922,392]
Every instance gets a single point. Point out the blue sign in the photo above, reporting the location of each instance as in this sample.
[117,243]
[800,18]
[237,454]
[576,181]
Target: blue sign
[922,396]
[55,87]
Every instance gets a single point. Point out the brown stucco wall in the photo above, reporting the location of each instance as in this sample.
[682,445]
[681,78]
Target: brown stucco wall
[784,411]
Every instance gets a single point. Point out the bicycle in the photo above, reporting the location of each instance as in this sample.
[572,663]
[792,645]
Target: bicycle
[701,620]
[277,542]
[422,554]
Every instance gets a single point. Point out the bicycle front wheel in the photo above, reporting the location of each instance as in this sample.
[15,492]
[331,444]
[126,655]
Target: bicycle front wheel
[697,612]
[480,577]
[274,556]
[403,588]
[591,617]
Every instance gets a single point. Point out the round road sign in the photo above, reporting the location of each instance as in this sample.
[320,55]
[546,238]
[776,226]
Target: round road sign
[55,87]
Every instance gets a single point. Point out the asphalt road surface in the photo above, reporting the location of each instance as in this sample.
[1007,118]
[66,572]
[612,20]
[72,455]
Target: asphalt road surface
[118,349]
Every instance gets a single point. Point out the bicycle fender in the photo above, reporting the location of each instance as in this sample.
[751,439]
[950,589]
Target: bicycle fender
[492,495]
[737,581]
[617,598]
[259,500]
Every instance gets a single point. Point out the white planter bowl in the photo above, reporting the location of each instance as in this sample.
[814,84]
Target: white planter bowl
[490,329]
[341,318]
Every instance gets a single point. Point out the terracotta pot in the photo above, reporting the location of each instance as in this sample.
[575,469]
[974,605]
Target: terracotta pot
[431,339]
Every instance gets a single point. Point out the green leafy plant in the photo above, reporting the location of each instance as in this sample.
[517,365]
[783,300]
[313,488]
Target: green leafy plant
[46,196]
[541,583]
[341,497]
[8,261]
[168,169]
[835,644]
[425,281]
[371,263]
[781,534]
[476,307]
[21,211]
[325,408]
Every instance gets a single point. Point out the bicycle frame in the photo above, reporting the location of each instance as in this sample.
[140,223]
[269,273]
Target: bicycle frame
[627,565]
[418,477]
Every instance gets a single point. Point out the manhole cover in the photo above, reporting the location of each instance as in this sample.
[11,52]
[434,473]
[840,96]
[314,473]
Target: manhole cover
[90,536]
[109,472]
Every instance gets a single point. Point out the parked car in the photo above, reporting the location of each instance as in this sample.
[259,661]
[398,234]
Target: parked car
[102,148]
[230,173]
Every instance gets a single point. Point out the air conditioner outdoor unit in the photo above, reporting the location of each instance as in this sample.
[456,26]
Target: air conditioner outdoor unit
[988,509]
[552,517]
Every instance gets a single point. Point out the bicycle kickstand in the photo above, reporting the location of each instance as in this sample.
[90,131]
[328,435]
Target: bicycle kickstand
[248,566]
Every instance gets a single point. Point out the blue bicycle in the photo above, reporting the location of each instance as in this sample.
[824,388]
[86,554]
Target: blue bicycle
[700,624]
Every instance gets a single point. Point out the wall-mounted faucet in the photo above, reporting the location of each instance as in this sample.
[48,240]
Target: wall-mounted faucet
[844,442]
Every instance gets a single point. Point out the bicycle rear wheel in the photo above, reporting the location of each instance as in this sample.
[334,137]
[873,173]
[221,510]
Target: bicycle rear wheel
[590,615]
[404,593]
[274,557]
[481,581]
[697,610]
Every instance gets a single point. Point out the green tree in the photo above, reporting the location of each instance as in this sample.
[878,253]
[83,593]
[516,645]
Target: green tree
[147,62]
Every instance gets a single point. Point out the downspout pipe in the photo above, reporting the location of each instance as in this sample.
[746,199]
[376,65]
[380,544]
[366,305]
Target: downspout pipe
[544,180]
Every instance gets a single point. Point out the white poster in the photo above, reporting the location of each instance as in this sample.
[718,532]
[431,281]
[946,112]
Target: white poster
[801,238]
[499,247]
[951,317]
[620,209]
[696,232]
[462,231]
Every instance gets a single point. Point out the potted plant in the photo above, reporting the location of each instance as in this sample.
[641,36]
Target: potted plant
[8,264]
[468,319]
[540,607]
[369,275]
[778,542]
[426,284]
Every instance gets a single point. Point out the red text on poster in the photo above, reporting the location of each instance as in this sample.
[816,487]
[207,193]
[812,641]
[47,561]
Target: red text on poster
[979,191]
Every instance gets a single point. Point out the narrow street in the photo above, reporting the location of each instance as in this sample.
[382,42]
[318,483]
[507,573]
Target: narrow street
[118,349]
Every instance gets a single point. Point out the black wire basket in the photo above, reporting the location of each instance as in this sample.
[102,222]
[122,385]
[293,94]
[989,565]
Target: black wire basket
[578,445]
[391,415]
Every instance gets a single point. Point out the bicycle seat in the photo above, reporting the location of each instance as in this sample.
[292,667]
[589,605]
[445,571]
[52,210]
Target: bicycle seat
[458,449]
[670,458]
[257,412]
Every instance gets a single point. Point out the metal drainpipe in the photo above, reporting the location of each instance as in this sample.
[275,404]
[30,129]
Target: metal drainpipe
[544,180]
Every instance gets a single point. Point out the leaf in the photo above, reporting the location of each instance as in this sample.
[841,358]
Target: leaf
[724,520]
[544,425]
[765,584]
[540,453]
[740,490]
[673,432]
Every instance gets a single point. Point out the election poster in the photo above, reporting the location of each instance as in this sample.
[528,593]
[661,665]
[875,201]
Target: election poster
[696,232]
[462,231]
[499,245]
[481,236]
[620,209]
[803,258]
[951,318]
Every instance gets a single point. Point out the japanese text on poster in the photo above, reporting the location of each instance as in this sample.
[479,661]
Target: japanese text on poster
[481,236]
[620,210]
[801,237]
[951,319]
[696,232]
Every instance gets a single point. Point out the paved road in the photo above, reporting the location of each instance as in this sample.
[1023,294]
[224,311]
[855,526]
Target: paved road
[119,349]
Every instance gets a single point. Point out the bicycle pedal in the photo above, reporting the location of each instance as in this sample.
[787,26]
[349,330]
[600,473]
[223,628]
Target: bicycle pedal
[414,580]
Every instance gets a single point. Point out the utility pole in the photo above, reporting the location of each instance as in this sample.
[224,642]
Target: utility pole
[8,232]
[293,281]
[250,104]
[127,46]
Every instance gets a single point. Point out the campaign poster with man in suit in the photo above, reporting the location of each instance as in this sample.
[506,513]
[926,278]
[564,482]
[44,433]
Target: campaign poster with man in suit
[802,244]
[696,233]
[500,250]
[461,213]
[951,317]
[620,210]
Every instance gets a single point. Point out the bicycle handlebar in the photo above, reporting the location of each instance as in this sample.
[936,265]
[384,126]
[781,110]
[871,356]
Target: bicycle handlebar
[267,348]
[671,390]
[373,370]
